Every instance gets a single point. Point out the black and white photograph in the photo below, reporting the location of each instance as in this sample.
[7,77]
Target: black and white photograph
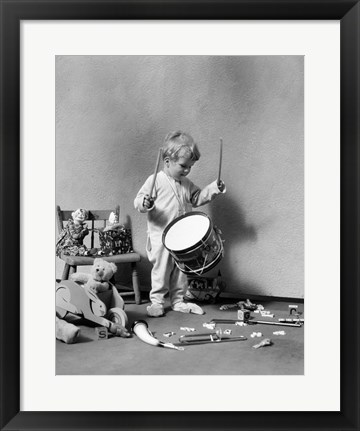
[188,174]
[180,215]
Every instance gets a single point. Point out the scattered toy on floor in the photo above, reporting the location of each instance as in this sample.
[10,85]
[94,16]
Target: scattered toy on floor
[214,337]
[263,343]
[292,320]
[101,333]
[243,315]
[292,308]
[104,309]
[247,305]
[268,322]
[185,328]
[100,274]
[241,323]
[141,329]
[279,333]
[256,334]
[209,325]
[66,332]
[204,289]
[266,313]
[169,334]
[254,322]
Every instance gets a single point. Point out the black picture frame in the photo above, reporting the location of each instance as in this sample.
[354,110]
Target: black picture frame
[12,12]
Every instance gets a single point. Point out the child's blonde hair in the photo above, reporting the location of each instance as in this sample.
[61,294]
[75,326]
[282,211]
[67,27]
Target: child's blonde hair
[178,144]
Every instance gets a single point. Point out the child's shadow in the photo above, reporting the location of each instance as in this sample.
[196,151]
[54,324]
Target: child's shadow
[230,218]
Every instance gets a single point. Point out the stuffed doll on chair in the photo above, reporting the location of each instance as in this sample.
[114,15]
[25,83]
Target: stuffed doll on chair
[70,241]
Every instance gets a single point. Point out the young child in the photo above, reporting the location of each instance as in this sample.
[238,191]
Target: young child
[173,195]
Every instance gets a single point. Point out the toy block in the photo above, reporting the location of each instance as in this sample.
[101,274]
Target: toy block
[102,333]
[243,315]
[292,308]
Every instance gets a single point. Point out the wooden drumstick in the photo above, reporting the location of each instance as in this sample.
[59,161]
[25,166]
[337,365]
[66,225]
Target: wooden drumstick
[156,171]
[220,161]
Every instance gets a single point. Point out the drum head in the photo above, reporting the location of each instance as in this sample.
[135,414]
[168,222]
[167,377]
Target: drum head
[186,232]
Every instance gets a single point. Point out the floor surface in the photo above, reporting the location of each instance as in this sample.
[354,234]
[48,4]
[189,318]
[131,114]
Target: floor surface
[132,356]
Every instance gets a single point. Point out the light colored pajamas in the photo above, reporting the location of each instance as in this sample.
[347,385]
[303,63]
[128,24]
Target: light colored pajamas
[172,199]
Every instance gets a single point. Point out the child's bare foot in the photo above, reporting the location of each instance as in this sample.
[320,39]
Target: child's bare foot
[187,307]
[155,310]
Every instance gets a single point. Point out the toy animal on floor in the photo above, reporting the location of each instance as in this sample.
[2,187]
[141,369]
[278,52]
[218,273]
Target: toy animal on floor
[104,309]
[65,331]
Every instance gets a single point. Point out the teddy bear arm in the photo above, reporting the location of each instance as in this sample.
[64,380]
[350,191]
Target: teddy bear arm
[102,286]
[94,285]
[80,277]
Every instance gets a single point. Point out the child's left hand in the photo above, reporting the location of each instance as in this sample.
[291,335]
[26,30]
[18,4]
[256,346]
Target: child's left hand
[221,185]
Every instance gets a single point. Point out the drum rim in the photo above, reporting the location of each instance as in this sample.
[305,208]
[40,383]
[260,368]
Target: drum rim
[206,268]
[186,250]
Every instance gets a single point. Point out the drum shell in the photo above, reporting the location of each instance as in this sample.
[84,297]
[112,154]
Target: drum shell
[203,255]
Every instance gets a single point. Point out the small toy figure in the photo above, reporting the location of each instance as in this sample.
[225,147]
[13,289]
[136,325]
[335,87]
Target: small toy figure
[113,222]
[247,305]
[70,241]
[114,238]
[265,342]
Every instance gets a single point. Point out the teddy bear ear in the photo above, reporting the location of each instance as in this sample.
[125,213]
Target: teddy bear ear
[113,267]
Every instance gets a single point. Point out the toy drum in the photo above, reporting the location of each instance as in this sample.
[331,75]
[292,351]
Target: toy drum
[194,243]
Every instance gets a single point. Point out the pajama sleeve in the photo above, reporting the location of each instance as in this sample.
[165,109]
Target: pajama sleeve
[200,197]
[145,190]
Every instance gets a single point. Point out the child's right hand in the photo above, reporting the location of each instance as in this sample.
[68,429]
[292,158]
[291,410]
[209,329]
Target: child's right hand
[148,202]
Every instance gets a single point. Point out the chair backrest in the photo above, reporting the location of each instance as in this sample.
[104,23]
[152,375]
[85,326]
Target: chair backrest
[95,218]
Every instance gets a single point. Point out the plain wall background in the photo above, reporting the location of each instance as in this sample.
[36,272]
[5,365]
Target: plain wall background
[112,113]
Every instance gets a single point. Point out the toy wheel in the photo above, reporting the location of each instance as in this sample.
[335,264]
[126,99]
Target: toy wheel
[118,315]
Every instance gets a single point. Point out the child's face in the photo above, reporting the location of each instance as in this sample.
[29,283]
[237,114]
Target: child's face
[179,168]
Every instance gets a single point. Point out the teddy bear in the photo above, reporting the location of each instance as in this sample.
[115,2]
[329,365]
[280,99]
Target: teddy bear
[100,274]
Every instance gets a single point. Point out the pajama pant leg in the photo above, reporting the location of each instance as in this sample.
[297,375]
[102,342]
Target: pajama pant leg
[178,285]
[160,273]
[165,275]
